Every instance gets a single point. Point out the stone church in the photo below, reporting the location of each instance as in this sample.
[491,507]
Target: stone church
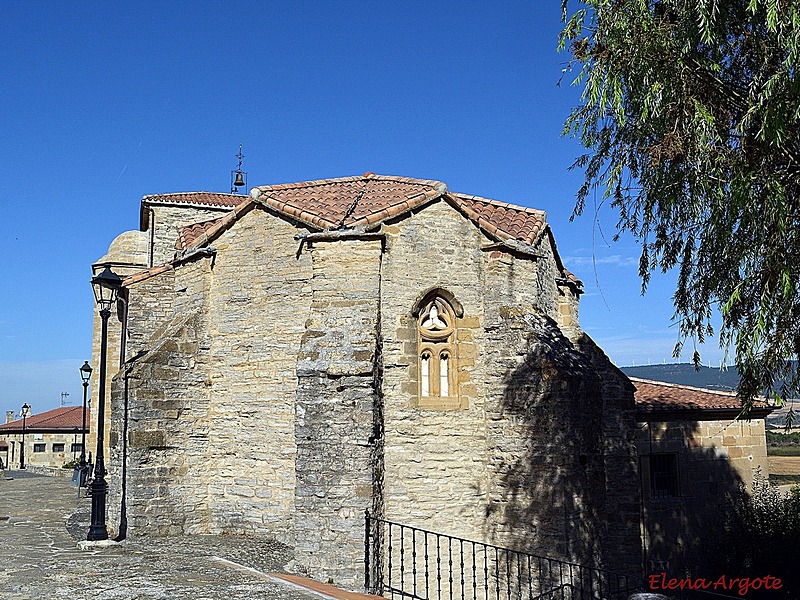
[289,359]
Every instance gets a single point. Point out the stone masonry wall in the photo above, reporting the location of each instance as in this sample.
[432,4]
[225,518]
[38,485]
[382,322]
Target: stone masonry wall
[226,409]
[620,504]
[336,397]
[252,412]
[544,448]
[159,426]
[257,407]
[742,443]
[126,255]
[112,366]
[541,414]
[713,459]
[523,462]
[151,305]
[165,224]
[259,303]
[434,459]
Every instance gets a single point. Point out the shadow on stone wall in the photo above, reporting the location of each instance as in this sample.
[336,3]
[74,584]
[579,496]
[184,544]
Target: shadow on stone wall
[565,482]
[681,528]
[760,540]
[703,533]
[718,530]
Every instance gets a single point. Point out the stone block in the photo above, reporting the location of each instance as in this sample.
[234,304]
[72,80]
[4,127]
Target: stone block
[147,439]
[470,321]
[464,335]
[166,405]
[363,356]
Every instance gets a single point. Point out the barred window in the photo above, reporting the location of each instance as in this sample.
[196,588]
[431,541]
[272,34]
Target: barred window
[664,475]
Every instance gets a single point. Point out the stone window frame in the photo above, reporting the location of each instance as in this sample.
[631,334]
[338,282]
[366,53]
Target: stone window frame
[56,449]
[435,345]
[39,447]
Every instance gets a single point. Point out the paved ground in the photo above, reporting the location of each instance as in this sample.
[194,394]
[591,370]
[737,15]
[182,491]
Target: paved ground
[39,557]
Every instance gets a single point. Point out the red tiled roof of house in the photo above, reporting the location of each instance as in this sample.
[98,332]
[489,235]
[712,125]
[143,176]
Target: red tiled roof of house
[64,418]
[658,396]
[569,276]
[147,274]
[195,198]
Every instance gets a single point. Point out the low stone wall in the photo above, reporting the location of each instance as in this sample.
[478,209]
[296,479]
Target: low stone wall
[49,471]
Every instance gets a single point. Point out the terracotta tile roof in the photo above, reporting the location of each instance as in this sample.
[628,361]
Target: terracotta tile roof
[190,233]
[658,397]
[146,274]
[370,198]
[349,201]
[569,276]
[506,221]
[362,201]
[64,418]
[195,198]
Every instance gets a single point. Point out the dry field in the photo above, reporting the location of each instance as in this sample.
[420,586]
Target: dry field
[784,465]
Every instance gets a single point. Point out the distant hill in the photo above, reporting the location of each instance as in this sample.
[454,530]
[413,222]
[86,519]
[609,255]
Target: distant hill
[685,374]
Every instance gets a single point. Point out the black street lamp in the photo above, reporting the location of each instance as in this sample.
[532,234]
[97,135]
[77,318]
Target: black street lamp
[106,286]
[25,409]
[86,373]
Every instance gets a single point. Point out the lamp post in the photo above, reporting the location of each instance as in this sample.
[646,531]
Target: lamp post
[25,409]
[86,374]
[106,286]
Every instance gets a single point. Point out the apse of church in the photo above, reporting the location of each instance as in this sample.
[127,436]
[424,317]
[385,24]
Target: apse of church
[296,357]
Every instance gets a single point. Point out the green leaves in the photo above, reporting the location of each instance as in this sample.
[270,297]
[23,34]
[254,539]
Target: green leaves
[690,114]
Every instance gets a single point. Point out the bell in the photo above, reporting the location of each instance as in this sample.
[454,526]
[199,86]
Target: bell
[239,182]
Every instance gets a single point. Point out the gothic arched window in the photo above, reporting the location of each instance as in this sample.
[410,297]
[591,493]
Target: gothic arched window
[436,349]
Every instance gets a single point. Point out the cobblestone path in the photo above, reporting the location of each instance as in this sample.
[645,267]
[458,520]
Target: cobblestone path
[40,560]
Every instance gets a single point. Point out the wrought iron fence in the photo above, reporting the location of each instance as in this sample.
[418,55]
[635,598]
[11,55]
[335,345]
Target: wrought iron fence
[409,562]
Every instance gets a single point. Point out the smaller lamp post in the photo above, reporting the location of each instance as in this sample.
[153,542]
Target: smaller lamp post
[25,409]
[86,374]
[106,286]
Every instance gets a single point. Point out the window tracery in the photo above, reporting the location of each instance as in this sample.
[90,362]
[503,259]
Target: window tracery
[436,351]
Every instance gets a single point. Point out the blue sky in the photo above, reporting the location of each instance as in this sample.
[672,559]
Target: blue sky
[104,103]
